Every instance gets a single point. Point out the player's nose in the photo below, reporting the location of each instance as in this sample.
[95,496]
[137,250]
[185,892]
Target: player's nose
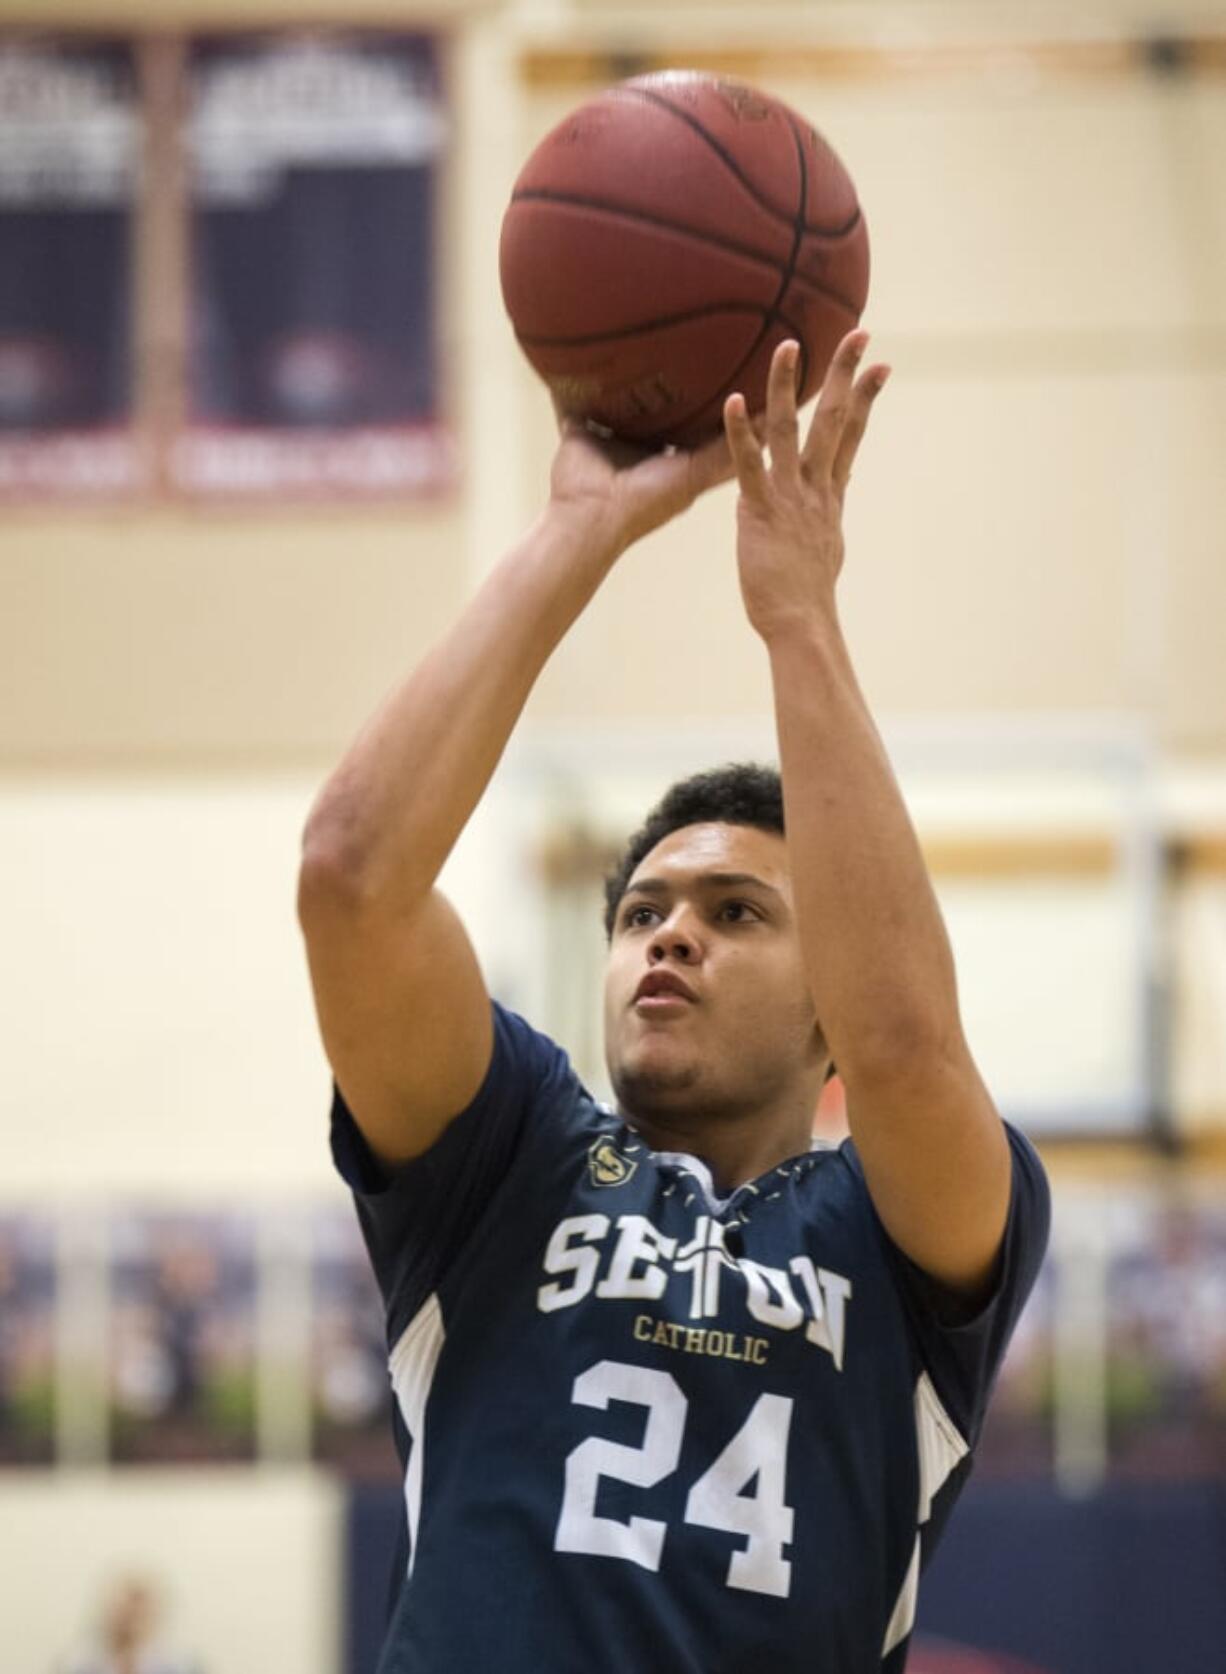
[676,937]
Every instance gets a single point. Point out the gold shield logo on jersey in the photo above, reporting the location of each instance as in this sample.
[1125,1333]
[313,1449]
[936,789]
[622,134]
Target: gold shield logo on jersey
[609,1166]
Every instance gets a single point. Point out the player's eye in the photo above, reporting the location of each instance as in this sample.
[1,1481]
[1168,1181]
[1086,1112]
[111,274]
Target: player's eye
[638,916]
[738,912]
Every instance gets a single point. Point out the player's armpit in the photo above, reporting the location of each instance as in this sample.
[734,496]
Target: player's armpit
[936,1161]
[403,1011]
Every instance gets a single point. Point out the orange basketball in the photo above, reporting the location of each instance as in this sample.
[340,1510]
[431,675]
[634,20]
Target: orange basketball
[661,242]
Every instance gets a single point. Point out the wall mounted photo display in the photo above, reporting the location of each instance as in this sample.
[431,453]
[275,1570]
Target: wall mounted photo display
[183,1331]
[28,1294]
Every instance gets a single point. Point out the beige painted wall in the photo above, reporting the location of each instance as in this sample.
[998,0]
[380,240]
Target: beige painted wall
[1036,519]
[156,1026]
[1036,523]
[175,640]
[250,1561]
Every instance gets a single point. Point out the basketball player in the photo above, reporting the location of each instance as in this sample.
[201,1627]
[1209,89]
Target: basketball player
[677,1392]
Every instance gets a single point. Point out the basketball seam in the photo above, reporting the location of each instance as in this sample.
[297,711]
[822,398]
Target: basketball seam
[798,235]
[689,417]
[712,240]
[630,212]
[798,231]
[665,320]
[734,167]
[827,291]
[773,313]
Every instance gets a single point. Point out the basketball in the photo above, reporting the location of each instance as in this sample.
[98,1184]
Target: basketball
[664,238]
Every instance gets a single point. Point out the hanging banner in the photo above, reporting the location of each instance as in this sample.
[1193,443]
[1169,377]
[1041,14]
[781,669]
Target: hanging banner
[313,365]
[28,1295]
[70,138]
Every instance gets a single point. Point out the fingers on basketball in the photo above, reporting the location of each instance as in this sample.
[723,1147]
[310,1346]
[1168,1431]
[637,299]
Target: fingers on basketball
[744,445]
[781,433]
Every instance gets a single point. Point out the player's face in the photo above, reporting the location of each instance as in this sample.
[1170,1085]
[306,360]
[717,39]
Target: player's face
[707,1006]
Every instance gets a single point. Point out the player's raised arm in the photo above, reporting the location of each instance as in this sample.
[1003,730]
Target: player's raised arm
[402,1006]
[934,1151]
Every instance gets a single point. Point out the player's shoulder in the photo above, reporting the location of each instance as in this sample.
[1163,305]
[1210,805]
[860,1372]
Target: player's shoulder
[829,1191]
[525,1053]
[1026,1160]
[838,1166]
[527,1057]
[1030,1194]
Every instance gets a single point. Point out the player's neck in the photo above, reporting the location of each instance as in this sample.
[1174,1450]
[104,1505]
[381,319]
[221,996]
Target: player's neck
[736,1149]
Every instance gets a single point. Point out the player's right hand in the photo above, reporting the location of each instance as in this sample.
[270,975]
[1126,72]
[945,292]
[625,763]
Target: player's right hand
[614,493]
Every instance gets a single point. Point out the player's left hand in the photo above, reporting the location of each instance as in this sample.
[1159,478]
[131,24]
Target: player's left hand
[790,511]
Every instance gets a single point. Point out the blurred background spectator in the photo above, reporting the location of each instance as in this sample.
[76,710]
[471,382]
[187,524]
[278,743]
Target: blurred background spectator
[129,1635]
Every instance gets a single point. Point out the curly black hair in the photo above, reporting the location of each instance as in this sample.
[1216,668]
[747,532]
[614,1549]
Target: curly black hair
[742,793]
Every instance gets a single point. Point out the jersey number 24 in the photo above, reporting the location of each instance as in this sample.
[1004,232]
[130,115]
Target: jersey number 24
[718,1500]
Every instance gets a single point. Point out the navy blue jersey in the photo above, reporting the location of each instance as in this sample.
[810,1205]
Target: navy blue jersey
[647,1428]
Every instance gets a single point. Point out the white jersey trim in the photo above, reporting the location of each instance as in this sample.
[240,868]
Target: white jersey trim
[695,1166]
[702,1173]
[412,1363]
[941,1447]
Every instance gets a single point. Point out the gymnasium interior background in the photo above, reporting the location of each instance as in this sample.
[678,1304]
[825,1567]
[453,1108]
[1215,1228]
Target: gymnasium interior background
[263,425]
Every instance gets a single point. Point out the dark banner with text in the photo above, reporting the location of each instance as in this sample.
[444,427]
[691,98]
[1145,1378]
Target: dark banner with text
[313,356]
[70,154]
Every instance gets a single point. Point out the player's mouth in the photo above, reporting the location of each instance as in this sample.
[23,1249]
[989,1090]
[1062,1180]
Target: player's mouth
[661,992]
